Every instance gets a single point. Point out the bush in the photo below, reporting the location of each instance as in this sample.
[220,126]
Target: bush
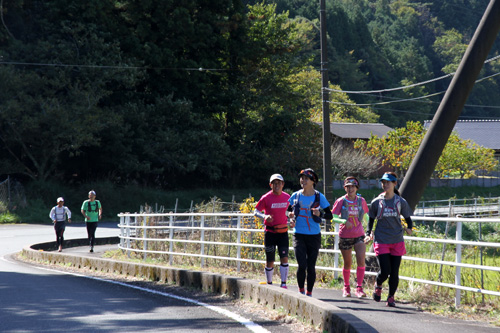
[9,218]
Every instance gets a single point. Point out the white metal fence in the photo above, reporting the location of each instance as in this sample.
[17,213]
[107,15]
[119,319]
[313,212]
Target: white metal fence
[170,234]
[473,207]
[484,181]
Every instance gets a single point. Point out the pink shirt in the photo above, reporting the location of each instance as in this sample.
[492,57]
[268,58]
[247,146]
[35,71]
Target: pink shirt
[353,217]
[274,205]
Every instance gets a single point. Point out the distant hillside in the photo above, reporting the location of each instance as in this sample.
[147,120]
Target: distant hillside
[386,44]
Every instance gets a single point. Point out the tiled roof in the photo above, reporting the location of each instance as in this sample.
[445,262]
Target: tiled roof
[483,132]
[357,130]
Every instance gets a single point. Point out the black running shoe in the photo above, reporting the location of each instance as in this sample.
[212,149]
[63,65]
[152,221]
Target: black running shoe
[377,294]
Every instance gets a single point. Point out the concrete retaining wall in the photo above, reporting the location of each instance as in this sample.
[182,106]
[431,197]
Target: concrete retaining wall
[327,317]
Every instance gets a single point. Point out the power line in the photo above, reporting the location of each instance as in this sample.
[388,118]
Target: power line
[403,87]
[391,89]
[420,113]
[201,69]
[390,102]
[399,100]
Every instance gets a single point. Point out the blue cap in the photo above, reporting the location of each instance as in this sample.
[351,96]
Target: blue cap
[389,177]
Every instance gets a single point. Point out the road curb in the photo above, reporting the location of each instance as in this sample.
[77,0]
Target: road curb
[322,315]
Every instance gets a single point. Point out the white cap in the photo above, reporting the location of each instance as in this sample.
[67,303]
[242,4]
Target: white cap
[92,192]
[60,199]
[276,176]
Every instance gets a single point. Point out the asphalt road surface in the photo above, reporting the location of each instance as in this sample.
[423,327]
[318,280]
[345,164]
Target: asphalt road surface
[38,299]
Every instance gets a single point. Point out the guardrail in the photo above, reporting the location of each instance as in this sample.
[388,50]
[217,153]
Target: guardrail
[168,234]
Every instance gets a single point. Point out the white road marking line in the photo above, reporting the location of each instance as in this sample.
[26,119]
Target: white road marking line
[236,317]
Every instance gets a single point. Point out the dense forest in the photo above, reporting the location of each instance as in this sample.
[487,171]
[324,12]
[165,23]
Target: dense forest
[200,93]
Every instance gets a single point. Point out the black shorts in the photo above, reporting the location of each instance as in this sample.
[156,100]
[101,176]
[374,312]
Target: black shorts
[273,240]
[348,243]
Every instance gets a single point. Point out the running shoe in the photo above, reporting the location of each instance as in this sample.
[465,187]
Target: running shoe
[283,285]
[377,293]
[302,291]
[309,293]
[391,302]
[359,292]
[346,292]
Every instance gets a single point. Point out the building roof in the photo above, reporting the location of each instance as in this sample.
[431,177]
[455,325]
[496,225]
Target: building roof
[482,132]
[358,130]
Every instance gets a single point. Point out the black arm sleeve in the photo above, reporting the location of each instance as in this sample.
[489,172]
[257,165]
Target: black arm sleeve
[327,213]
[409,222]
[289,209]
[371,220]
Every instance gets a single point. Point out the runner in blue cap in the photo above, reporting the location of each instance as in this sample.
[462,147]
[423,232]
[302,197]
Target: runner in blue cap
[389,245]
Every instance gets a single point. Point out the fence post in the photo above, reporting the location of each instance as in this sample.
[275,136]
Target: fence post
[191,218]
[444,247]
[122,232]
[475,207]
[481,259]
[145,236]
[127,222]
[238,248]
[336,248]
[171,239]
[8,191]
[202,239]
[458,260]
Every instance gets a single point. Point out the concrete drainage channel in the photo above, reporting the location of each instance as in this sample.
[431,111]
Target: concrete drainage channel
[328,318]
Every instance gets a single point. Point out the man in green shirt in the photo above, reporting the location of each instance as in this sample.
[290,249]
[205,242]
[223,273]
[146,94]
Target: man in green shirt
[92,211]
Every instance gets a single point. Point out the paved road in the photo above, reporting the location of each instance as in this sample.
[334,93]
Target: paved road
[35,299]
[93,305]
[403,318]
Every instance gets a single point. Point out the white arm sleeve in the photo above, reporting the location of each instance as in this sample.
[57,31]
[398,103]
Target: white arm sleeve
[68,212]
[259,214]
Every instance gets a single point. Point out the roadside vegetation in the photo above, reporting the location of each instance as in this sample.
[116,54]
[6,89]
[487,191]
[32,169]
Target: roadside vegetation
[437,300]
[41,196]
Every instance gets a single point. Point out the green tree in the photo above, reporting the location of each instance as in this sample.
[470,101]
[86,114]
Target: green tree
[342,108]
[51,111]
[397,149]
[451,49]
[400,146]
[464,158]
[270,127]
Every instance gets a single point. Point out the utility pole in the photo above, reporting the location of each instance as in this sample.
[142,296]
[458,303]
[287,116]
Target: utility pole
[451,106]
[327,155]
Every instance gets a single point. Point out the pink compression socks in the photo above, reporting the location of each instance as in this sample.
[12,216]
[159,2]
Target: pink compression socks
[360,275]
[346,274]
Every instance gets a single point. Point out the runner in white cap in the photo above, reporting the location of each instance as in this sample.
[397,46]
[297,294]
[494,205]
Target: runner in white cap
[58,216]
[274,205]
